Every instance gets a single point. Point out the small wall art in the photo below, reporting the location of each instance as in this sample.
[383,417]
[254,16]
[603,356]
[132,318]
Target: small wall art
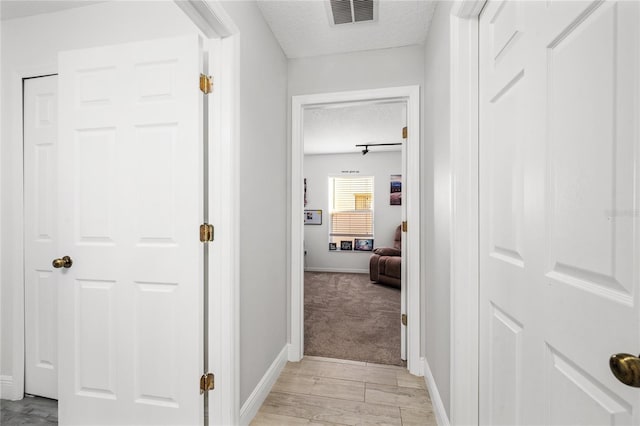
[305,192]
[313,217]
[363,244]
[395,196]
[346,245]
[333,246]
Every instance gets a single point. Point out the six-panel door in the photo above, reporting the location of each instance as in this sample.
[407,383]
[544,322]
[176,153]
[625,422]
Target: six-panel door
[559,192]
[130,197]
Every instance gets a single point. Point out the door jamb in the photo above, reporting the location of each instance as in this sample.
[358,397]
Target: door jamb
[224,404]
[224,160]
[464,251]
[412,187]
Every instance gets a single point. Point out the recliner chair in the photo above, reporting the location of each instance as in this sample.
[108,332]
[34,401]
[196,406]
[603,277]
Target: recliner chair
[385,262]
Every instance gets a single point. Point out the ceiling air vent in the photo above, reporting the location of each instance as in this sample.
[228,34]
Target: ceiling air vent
[351,11]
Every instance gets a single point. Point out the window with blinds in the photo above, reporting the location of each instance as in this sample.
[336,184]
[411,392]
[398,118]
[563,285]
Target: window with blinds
[351,208]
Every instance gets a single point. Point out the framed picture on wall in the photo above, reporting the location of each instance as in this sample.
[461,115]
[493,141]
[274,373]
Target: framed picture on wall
[395,190]
[363,244]
[346,245]
[305,192]
[333,246]
[313,217]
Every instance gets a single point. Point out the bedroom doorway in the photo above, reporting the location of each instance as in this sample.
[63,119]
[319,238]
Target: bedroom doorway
[353,158]
[303,107]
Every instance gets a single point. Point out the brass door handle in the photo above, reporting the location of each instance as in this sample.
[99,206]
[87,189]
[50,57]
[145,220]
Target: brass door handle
[626,368]
[63,262]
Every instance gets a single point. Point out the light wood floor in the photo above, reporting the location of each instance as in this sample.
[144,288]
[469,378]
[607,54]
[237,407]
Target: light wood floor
[324,391]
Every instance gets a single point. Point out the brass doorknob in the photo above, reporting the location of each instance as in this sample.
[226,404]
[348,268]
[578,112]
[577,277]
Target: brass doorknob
[63,262]
[626,368]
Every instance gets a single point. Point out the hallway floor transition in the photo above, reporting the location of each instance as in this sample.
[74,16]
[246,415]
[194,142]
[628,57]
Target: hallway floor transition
[315,391]
[326,391]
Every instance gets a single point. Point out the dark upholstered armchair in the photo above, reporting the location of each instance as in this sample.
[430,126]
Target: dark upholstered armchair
[385,262]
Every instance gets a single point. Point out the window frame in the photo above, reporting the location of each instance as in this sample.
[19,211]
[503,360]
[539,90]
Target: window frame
[337,237]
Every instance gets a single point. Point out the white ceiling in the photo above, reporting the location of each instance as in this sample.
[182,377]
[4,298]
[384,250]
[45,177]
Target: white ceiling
[337,129]
[304,27]
[10,9]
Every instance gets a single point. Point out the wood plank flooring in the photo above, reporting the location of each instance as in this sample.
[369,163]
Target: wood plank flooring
[325,391]
[315,391]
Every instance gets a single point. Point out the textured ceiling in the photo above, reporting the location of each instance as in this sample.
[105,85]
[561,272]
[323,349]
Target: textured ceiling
[331,130]
[304,27]
[10,9]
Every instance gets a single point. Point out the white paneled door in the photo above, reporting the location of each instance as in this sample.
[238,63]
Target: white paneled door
[40,236]
[130,195]
[559,218]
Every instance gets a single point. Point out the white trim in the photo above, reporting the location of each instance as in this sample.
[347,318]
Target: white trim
[467,9]
[338,270]
[6,388]
[224,159]
[261,391]
[208,16]
[464,271]
[411,94]
[436,400]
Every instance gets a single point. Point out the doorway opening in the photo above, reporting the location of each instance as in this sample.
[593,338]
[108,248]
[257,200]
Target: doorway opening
[353,159]
[302,106]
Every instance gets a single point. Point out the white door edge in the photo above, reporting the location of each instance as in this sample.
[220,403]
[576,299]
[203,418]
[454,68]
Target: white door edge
[464,212]
[411,94]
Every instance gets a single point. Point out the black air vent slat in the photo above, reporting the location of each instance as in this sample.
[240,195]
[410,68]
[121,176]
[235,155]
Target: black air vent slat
[341,10]
[363,10]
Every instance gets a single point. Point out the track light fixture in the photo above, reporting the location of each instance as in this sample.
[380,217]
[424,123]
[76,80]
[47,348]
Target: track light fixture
[366,146]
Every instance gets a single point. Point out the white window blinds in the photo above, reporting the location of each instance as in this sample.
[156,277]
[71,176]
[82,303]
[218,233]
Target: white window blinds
[351,206]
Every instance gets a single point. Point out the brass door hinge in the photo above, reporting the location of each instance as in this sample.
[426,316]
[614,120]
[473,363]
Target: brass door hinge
[404,133]
[207,383]
[206,232]
[404,319]
[206,84]
[404,226]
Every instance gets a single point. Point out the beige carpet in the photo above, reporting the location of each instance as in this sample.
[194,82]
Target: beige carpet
[348,317]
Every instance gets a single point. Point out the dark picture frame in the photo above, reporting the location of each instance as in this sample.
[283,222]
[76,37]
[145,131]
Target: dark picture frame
[363,244]
[395,190]
[333,246]
[346,245]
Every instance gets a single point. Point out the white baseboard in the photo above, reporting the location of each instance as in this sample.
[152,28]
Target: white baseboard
[254,402]
[7,390]
[436,400]
[294,353]
[338,270]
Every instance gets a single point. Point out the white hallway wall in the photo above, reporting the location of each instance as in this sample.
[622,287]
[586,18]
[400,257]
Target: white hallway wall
[436,205]
[263,195]
[31,45]
[317,169]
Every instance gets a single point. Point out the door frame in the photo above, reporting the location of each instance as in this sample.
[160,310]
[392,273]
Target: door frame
[410,94]
[221,33]
[464,249]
